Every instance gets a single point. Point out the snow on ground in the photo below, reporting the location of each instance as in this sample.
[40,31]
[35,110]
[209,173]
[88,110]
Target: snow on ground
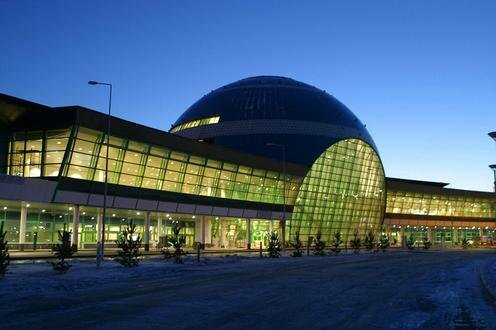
[26,278]
[429,290]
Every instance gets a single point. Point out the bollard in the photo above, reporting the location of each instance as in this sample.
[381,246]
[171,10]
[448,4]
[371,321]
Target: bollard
[261,256]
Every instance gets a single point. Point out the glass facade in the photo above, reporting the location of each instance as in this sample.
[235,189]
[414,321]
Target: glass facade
[195,123]
[405,202]
[140,165]
[37,154]
[343,191]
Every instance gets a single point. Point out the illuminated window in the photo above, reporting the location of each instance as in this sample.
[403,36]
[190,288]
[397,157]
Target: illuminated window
[196,123]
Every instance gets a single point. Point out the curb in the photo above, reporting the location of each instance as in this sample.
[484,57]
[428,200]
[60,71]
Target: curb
[488,292]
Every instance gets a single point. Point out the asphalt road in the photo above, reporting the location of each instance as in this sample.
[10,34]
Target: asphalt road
[398,290]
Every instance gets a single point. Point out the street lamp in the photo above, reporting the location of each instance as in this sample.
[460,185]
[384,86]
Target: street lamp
[283,220]
[100,254]
[493,167]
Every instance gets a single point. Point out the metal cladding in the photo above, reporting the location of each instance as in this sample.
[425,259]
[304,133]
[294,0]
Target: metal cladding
[267,109]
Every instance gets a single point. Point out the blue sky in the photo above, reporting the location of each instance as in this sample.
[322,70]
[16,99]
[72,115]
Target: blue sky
[420,74]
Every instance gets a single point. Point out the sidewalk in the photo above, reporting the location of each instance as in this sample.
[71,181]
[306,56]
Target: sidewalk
[47,254]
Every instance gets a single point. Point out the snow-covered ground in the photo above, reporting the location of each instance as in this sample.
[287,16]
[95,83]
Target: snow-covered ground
[394,290]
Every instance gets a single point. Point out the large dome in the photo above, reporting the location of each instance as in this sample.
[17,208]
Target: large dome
[249,114]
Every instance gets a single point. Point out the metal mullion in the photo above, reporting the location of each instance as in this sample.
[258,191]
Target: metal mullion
[43,153]
[97,147]
[163,169]
[64,166]
[141,170]
[120,160]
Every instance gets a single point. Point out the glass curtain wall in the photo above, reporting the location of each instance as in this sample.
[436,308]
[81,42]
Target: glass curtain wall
[131,163]
[35,154]
[405,202]
[344,191]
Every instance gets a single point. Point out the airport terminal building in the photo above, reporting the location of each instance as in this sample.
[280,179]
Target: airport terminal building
[261,154]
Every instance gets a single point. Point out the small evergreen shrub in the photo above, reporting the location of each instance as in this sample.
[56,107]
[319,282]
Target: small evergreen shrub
[274,247]
[336,242]
[63,251]
[465,243]
[319,245]
[427,244]
[129,242]
[4,251]
[383,242]
[297,246]
[410,242]
[369,242]
[177,242]
[356,242]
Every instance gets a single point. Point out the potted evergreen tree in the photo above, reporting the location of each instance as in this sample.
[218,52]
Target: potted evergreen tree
[177,242]
[336,242]
[297,245]
[319,245]
[410,242]
[274,247]
[62,251]
[356,242]
[369,240]
[129,242]
[427,243]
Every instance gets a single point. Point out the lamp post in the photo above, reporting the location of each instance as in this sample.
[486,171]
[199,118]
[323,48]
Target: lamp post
[283,220]
[101,252]
[493,167]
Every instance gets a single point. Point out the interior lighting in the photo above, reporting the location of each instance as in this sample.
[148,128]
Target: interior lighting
[5,207]
[43,211]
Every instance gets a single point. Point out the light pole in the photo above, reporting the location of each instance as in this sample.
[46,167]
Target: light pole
[283,220]
[493,167]
[100,253]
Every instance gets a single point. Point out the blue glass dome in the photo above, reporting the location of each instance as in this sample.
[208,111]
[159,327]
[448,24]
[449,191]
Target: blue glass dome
[257,111]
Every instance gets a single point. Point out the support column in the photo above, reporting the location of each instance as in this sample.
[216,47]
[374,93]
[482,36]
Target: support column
[99,222]
[455,235]
[75,226]
[159,228]
[403,237]
[222,233]
[282,226]
[202,228]
[271,227]
[429,234]
[248,234]
[208,230]
[22,225]
[481,232]
[146,238]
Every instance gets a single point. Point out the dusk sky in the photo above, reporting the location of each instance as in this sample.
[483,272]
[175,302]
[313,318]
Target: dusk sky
[420,74]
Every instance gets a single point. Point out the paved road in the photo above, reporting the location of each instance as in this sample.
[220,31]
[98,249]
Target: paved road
[433,290]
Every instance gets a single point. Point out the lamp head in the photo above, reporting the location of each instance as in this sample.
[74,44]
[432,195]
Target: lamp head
[92,82]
